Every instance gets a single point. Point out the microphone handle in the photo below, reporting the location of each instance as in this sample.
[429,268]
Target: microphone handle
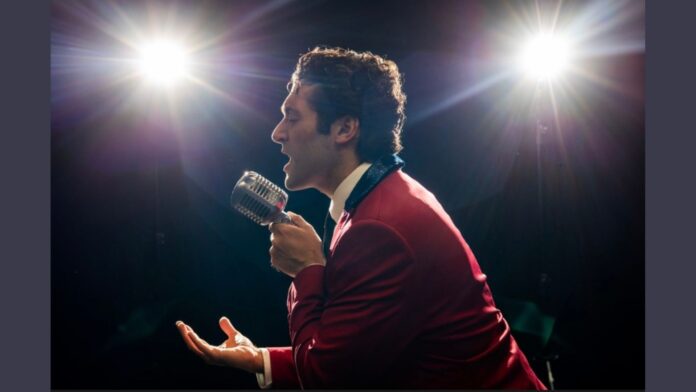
[283,217]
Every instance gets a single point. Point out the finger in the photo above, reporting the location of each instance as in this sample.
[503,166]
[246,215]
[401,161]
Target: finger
[184,331]
[227,327]
[273,252]
[208,352]
[276,249]
[298,219]
[274,227]
[192,345]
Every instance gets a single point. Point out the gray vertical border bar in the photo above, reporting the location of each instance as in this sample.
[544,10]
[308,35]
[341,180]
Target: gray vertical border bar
[25,197]
[670,196]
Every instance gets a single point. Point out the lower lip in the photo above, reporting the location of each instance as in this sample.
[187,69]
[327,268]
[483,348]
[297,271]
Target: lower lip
[285,168]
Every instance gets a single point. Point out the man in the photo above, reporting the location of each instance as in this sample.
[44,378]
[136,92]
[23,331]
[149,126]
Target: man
[396,298]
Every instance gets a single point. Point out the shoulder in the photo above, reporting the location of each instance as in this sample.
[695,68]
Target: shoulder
[409,210]
[399,199]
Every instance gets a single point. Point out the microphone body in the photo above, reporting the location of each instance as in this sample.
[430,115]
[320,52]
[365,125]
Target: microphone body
[259,199]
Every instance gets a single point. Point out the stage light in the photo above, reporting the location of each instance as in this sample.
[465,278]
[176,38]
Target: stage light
[544,57]
[163,62]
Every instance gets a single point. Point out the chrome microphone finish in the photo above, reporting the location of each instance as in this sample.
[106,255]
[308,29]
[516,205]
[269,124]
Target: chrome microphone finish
[259,199]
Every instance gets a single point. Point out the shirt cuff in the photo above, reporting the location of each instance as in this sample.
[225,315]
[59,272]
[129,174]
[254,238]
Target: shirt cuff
[264,379]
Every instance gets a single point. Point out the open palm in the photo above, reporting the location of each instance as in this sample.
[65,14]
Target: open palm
[236,351]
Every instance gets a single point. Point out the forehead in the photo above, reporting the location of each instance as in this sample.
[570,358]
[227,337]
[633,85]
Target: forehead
[299,98]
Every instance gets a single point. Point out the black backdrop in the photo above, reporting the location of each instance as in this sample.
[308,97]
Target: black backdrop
[142,235]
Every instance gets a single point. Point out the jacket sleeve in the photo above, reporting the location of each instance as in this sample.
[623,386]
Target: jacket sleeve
[349,321]
[283,373]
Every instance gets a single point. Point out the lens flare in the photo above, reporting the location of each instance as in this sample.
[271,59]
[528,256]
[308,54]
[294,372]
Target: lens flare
[544,57]
[163,62]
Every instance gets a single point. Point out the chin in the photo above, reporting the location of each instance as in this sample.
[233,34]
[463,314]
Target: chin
[290,183]
[295,184]
[289,186]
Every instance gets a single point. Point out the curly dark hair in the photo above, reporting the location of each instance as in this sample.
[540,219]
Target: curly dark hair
[359,84]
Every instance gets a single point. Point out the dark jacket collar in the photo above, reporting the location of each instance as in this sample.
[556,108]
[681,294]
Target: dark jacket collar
[376,173]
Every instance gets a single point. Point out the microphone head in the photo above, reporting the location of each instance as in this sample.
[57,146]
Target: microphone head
[259,199]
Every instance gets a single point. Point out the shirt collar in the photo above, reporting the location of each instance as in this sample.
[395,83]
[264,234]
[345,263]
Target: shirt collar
[338,201]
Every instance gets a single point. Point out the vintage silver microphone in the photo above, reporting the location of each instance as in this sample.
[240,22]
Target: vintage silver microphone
[259,199]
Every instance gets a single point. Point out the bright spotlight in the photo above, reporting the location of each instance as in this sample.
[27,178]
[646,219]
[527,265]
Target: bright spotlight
[163,62]
[544,57]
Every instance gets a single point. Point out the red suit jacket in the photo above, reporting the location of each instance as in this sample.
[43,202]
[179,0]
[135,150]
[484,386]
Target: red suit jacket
[401,302]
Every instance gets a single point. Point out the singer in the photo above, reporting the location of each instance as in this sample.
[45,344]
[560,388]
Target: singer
[393,297]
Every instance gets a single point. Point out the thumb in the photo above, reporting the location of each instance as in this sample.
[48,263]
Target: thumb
[298,220]
[227,327]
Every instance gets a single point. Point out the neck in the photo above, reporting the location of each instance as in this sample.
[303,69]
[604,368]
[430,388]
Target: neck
[338,173]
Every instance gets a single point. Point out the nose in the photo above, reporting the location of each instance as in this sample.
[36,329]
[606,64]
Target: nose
[279,135]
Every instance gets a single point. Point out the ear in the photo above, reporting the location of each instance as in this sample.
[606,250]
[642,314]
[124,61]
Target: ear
[345,129]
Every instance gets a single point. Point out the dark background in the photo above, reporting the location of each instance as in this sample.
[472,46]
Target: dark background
[142,235]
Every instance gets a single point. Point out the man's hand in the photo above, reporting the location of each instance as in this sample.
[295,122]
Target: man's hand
[237,351]
[295,246]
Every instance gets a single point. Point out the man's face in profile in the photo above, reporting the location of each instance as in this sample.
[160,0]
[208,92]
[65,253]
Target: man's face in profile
[310,153]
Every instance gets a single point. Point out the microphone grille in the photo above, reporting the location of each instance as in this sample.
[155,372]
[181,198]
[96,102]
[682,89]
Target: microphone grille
[257,198]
